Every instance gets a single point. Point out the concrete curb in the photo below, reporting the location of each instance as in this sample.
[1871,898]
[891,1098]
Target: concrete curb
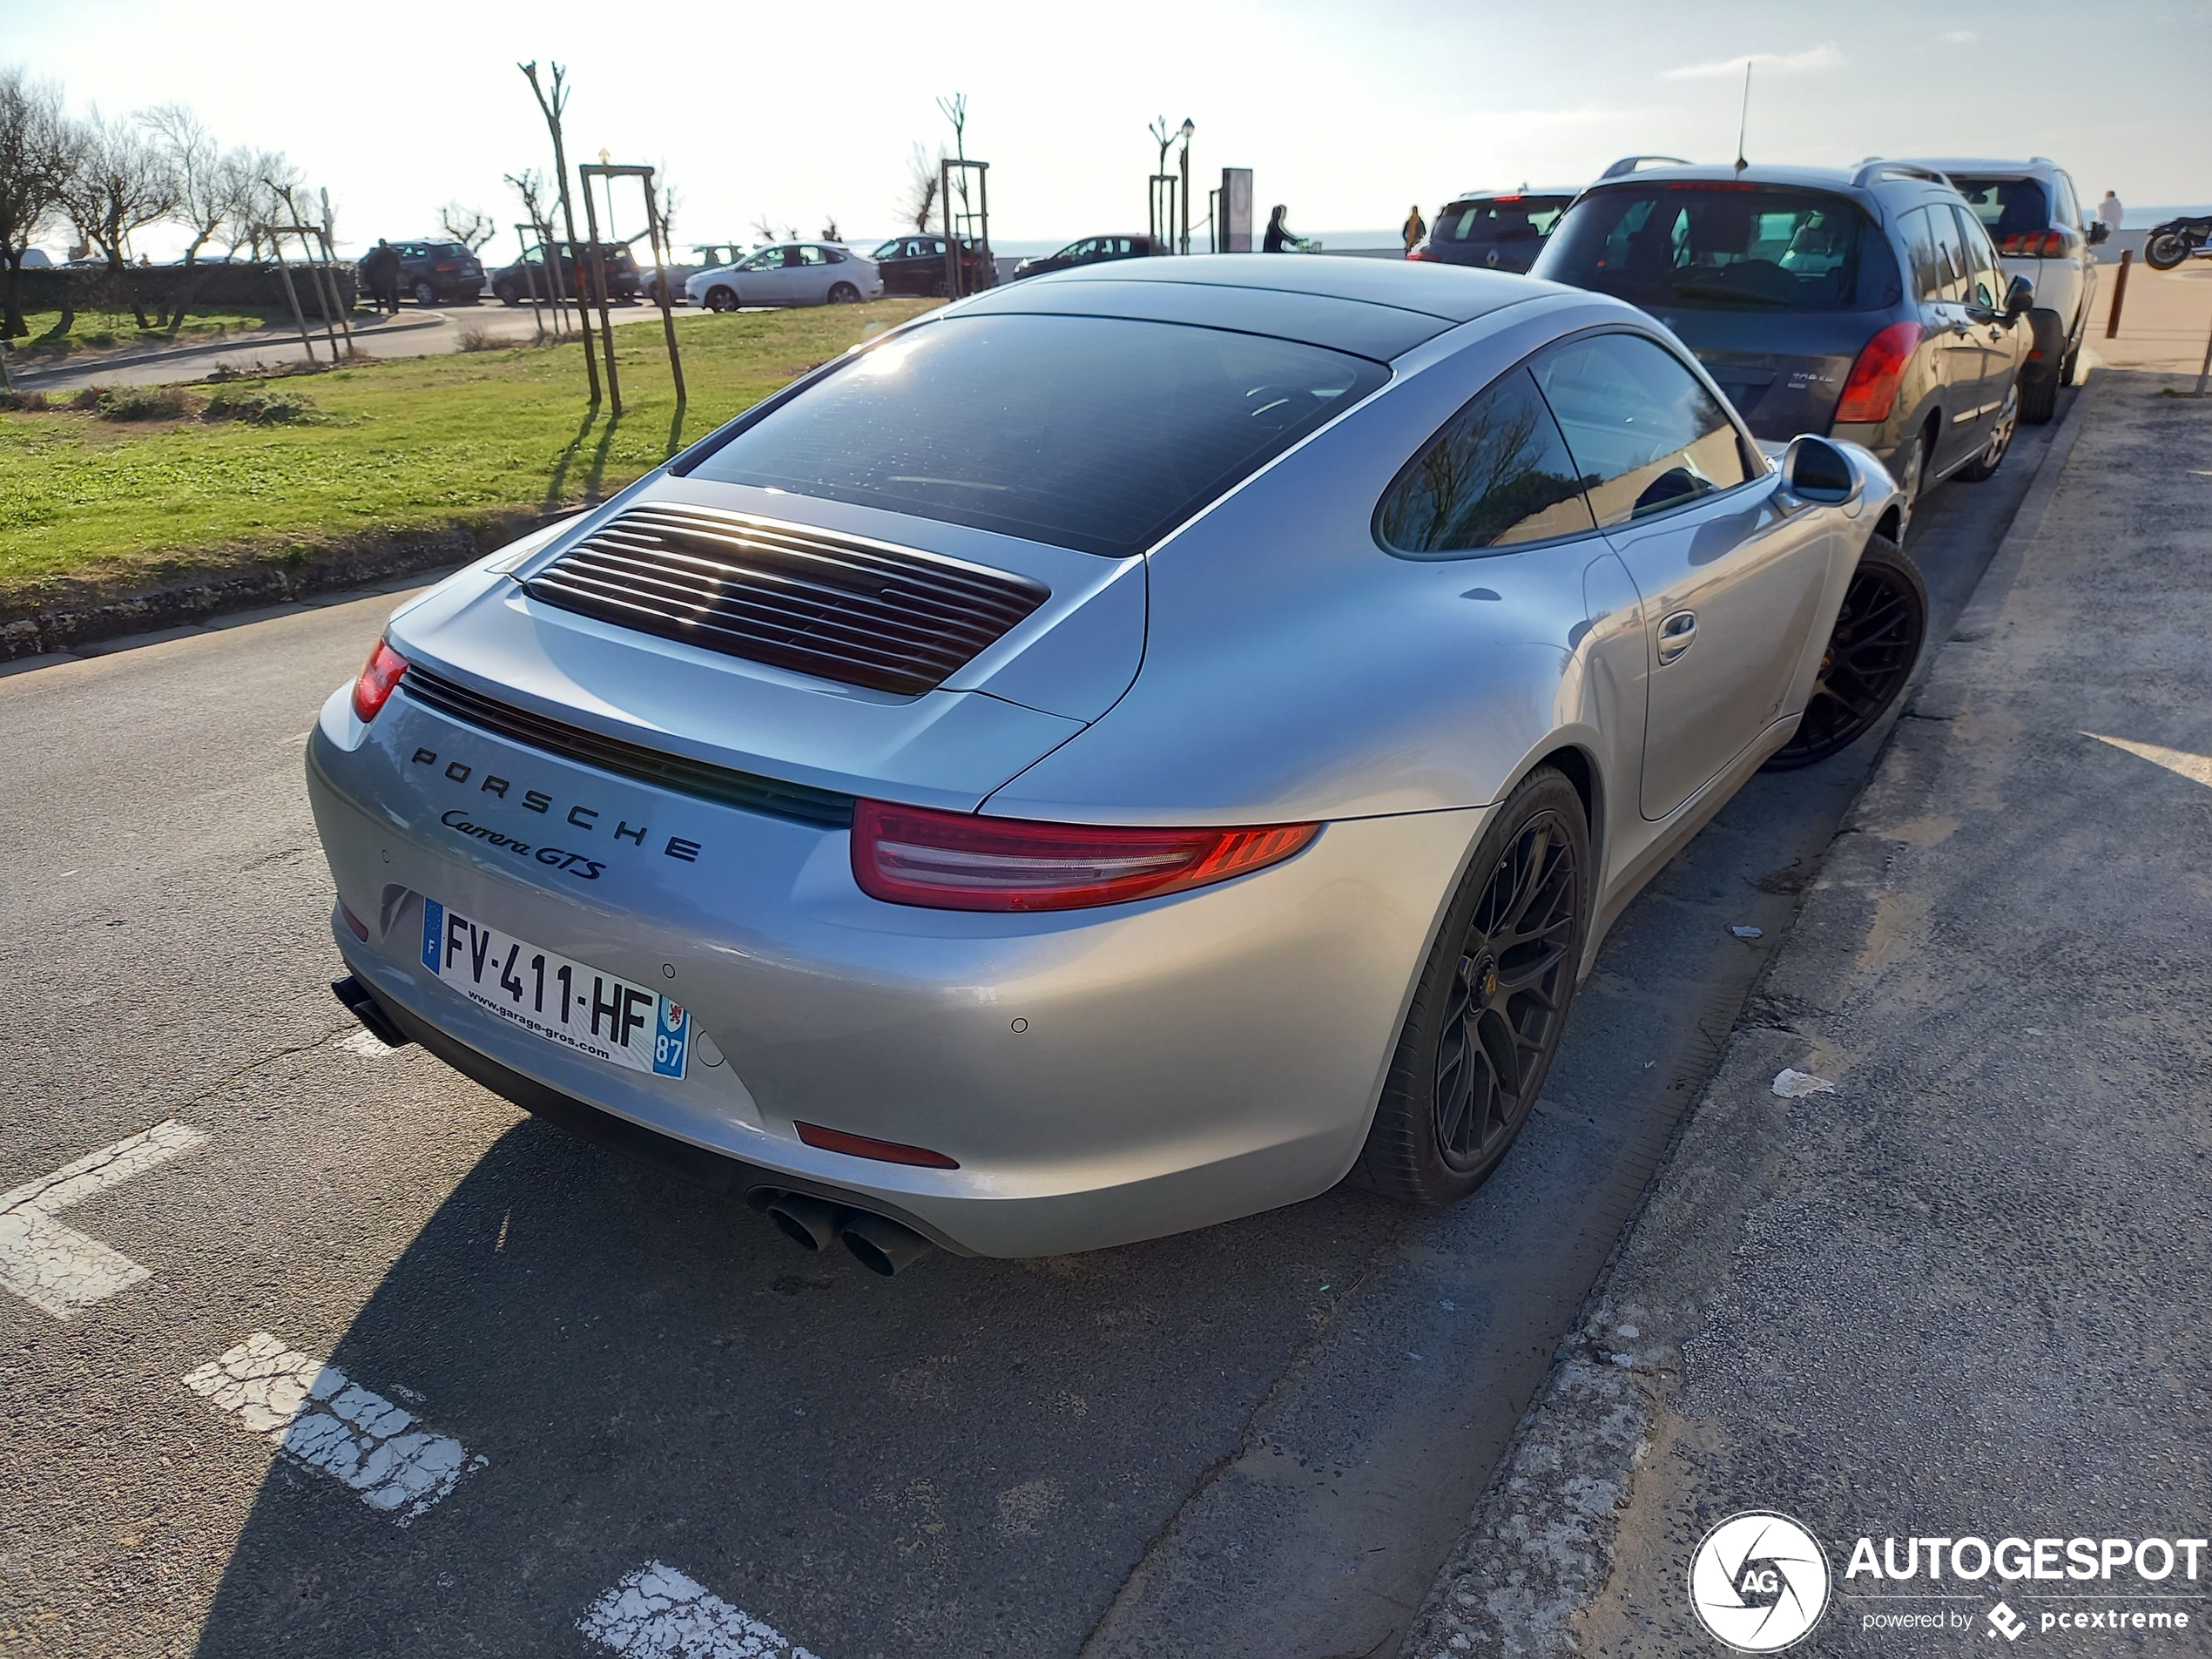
[1539,1549]
[360,564]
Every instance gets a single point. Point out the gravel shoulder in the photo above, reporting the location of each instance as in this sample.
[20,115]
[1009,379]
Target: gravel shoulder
[1964,1291]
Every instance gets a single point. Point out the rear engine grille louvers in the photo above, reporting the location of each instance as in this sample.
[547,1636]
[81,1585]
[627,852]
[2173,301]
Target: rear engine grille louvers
[837,607]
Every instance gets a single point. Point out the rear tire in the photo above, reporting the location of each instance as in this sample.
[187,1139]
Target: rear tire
[1871,650]
[2164,252]
[1492,1000]
[1984,466]
[845,295]
[2039,399]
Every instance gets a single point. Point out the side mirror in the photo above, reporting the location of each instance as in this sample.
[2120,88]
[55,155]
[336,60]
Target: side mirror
[1814,471]
[2099,231]
[2019,295]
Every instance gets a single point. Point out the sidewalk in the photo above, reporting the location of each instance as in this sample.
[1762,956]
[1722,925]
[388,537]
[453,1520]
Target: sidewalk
[1964,1294]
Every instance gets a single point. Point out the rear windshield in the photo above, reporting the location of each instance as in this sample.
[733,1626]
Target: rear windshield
[1095,434]
[2006,207]
[1501,218]
[1724,247]
[450,250]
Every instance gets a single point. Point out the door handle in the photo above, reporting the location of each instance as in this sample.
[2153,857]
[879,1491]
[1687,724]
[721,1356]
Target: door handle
[1677,634]
[1962,328]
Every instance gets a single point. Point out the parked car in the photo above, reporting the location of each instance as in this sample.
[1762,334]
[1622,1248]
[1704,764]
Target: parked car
[1091,250]
[704,256]
[1501,230]
[788,273]
[915,264]
[1116,755]
[2034,214]
[514,283]
[1867,305]
[436,274]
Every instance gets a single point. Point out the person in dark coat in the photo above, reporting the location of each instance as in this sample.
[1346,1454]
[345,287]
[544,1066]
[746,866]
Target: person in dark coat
[1280,238]
[381,268]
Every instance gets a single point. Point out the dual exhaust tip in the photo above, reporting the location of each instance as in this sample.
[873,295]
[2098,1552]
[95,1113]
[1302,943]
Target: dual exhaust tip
[879,1244]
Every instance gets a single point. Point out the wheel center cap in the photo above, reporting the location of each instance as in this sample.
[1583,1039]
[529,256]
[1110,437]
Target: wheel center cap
[1485,977]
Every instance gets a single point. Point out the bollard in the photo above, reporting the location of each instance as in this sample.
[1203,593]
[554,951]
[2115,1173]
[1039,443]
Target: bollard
[2204,374]
[2119,292]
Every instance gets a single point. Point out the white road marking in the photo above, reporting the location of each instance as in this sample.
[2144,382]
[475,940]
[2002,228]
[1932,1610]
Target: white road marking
[56,1268]
[2195,768]
[657,1613]
[316,1413]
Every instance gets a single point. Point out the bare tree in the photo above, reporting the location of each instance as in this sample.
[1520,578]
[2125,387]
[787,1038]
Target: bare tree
[829,230]
[767,227]
[205,195]
[120,184]
[34,156]
[467,227]
[256,183]
[954,110]
[923,174]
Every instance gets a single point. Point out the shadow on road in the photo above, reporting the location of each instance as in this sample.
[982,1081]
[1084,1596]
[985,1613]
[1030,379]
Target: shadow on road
[977,1447]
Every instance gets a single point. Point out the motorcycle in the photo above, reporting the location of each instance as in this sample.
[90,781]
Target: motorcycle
[2175,241]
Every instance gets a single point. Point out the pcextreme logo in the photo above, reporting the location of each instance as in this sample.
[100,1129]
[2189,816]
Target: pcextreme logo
[1759,1582]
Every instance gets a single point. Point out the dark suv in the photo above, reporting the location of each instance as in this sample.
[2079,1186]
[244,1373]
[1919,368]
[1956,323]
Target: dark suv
[1498,229]
[513,283]
[915,264]
[1868,305]
[433,273]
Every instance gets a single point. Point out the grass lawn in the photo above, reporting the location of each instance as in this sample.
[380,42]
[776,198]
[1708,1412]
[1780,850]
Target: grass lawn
[91,507]
[107,330]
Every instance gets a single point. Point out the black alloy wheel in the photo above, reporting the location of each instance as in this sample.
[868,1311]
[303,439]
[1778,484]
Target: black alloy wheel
[1870,654]
[1491,1003]
[720,298]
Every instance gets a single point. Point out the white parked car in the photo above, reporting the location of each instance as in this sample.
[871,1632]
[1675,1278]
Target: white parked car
[789,273]
[2036,221]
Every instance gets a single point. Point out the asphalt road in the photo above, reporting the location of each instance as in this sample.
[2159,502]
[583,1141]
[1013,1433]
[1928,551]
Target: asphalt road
[1257,1440]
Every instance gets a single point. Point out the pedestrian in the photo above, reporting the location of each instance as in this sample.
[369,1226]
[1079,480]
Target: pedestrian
[382,269]
[1280,238]
[1415,227]
[2111,211]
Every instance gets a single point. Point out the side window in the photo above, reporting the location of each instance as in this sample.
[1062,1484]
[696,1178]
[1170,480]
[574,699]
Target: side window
[812,255]
[1921,254]
[1497,474]
[1981,261]
[1645,434]
[1951,253]
[2069,205]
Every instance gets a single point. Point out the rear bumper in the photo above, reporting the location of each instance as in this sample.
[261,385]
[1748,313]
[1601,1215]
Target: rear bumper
[1101,1076]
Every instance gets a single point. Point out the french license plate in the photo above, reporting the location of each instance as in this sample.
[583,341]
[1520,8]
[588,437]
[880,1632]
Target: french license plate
[568,1003]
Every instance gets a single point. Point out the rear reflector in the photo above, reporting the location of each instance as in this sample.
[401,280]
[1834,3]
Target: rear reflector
[957,862]
[864,1146]
[1871,389]
[355,924]
[380,674]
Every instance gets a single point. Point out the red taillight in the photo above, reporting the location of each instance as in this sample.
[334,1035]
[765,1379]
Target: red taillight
[444,265]
[1871,388]
[867,1146]
[1423,251]
[379,675]
[1506,198]
[957,862]
[2035,245]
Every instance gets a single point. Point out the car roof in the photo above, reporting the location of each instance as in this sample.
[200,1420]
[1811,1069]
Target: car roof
[1983,165]
[1378,308]
[1493,193]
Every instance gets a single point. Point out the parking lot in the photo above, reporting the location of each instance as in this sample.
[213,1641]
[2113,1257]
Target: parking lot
[566,1372]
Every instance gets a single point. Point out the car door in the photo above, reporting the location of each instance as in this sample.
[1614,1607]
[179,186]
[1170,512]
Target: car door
[761,279]
[810,273]
[1730,584]
[1957,342]
[2003,342]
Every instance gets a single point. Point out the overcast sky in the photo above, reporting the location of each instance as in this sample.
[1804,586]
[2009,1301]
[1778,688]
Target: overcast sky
[1346,112]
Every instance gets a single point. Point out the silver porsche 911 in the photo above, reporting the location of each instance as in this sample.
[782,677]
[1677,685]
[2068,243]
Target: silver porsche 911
[1128,751]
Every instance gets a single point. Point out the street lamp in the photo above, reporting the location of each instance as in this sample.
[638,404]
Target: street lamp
[1189,127]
